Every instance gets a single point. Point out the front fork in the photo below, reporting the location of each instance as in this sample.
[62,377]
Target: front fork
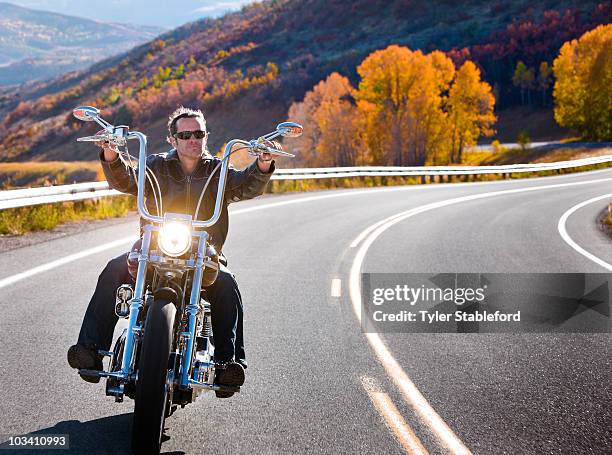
[136,305]
[192,312]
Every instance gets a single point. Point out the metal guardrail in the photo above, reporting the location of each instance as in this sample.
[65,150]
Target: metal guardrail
[91,190]
[51,194]
[389,171]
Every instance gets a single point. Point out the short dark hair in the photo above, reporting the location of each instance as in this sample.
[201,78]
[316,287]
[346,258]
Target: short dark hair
[183,112]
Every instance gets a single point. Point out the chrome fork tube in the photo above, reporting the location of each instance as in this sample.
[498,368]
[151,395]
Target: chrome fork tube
[136,305]
[192,310]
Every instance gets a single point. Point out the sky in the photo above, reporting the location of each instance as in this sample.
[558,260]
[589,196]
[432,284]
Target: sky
[165,13]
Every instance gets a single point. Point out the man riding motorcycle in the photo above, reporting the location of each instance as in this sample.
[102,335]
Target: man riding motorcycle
[182,174]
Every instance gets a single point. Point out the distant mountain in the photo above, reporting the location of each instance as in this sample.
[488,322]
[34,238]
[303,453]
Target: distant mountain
[38,44]
[246,68]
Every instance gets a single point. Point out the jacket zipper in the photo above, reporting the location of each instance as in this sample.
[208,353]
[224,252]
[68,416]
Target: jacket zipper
[188,194]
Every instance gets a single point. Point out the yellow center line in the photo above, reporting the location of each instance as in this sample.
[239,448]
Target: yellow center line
[394,420]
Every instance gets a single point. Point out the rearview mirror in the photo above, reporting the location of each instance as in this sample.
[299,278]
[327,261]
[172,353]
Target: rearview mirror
[86,113]
[289,129]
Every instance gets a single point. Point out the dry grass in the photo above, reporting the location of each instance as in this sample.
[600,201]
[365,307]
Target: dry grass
[41,173]
[46,217]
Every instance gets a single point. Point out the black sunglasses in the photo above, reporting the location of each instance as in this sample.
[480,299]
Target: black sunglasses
[185,135]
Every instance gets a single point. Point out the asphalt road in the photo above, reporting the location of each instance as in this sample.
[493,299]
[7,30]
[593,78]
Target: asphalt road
[315,382]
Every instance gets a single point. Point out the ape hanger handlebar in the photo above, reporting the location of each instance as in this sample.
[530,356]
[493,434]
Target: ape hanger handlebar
[119,135]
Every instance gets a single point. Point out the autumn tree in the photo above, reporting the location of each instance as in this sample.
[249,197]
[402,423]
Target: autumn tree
[400,98]
[336,119]
[583,86]
[411,109]
[331,138]
[544,80]
[523,78]
[470,107]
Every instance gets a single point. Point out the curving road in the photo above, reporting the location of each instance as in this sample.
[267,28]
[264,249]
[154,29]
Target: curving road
[315,382]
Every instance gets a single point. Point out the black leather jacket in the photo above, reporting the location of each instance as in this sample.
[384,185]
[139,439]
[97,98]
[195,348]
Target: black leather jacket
[180,192]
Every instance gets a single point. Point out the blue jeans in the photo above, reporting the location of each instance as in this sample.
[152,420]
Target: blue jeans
[224,297]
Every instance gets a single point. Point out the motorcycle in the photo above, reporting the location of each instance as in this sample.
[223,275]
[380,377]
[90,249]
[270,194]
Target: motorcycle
[165,356]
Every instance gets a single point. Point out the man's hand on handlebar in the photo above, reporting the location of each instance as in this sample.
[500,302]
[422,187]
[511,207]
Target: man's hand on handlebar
[111,152]
[264,160]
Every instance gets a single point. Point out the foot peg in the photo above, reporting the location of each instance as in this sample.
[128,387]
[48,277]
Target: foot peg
[84,372]
[225,388]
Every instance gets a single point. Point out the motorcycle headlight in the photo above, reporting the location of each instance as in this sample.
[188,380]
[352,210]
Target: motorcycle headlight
[174,238]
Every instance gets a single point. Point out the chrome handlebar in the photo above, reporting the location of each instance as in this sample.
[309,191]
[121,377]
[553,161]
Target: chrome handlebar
[105,137]
[119,135]
[257,147]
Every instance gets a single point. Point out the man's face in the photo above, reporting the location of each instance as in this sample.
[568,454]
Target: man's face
[189,148]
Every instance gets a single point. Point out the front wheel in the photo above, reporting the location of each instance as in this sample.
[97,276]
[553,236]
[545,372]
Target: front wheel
[151,390]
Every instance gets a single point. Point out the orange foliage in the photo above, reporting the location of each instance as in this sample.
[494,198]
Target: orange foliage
[411,108]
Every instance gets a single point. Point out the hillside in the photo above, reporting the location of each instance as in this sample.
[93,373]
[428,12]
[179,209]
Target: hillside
[39,44]
[246,68]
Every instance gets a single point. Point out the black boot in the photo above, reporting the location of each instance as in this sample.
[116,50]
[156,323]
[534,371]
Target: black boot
[230,374]
[84,357]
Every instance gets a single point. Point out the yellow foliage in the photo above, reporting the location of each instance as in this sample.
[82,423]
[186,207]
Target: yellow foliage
[331,137]
[400,98]
[470,110]
[583,86]
[410,109]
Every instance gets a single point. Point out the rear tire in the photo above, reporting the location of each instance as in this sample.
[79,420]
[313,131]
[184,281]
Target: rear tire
[151,391]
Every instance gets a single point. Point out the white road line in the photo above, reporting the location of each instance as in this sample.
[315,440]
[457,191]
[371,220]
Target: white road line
[565,236]
[394,420]
[65,260]
[410,392]
[434,205]
[82,254]
[367,231]
[336,287]
[73,257]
